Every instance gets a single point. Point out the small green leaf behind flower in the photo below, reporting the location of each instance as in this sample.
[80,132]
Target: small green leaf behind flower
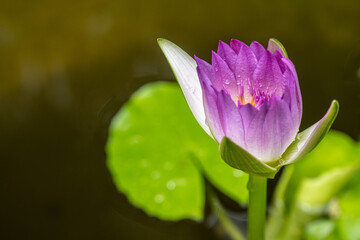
[343,212]
[307,187]
[157,155]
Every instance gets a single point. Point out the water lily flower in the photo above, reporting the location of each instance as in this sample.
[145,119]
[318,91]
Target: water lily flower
[249,101]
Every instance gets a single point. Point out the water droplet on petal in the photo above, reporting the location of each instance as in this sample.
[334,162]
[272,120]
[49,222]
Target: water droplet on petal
[239,76]
[227,81]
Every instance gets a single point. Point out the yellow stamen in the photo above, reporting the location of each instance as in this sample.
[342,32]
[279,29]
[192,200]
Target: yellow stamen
[243,101]
[252,102]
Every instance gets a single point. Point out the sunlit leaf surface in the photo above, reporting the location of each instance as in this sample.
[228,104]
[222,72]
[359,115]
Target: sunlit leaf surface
[348,219]
[344,214]
[345,210]
[320,230]
[157,154]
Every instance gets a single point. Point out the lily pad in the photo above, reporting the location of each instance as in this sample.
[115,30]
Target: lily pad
[158,155]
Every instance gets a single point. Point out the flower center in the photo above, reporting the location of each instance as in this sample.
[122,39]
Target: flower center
[252,93]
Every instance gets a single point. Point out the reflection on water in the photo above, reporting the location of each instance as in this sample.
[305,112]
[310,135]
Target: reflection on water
[66,68]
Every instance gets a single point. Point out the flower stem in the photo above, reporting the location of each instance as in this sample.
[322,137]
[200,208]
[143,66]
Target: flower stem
[257,207]
[224,220]
[277,219]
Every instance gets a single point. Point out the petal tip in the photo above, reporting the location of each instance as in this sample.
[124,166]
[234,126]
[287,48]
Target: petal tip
[274,45]
[334,108]
[308,139]
[196,59]
[162,41]
[336,104]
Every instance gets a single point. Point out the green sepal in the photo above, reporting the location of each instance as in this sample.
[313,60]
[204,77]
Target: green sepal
[240,159]
[308,139]
[274,45]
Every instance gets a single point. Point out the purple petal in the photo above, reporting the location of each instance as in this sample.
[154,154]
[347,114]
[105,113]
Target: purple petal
[211,111]
[291,68]
[291,97]
[223,77]
[204,70]
[310,137]
[258,49]
[280,129]
[245,66]
[248,112]
[228,54]
[254,133]
[236,45]
[230,118]
[268,74]
[279,58]
[271,130]
[224,118]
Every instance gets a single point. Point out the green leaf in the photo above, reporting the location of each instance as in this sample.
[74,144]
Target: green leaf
[157,154]
[311,184]
[316,192]
[347,212]
[308,139]
[336,151]
[322,229]
[348,221]
[239,158]
[344,212]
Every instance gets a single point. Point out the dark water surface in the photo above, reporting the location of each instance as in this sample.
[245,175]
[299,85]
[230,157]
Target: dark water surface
[66,67]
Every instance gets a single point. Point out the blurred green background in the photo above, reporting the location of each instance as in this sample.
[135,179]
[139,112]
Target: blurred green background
[66,67]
